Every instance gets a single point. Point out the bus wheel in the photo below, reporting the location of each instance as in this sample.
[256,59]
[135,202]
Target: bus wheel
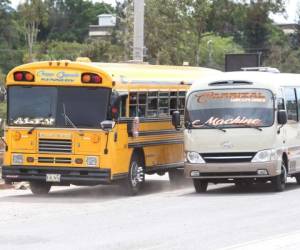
[176,177]
[39,188]
[136,176]
[279,181]
[200,185]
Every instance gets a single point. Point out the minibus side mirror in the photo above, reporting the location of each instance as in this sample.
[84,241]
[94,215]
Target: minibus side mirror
[107,125]
[176,119]
[282,117]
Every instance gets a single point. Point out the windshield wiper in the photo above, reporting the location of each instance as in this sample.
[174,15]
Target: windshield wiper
[38,124]
[67,119]
[244,125]
[197,124]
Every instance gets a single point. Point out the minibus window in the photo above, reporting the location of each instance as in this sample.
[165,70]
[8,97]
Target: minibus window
[231,108]
[291,104]
[280,104]
[298,101]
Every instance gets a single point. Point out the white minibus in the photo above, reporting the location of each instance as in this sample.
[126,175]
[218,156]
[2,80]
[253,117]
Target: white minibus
[242,128]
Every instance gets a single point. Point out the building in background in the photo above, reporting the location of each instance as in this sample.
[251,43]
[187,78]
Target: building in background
[106,24]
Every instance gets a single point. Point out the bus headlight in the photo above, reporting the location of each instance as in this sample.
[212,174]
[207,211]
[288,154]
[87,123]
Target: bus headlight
[17,159]
[91,161]
[194,157]
[265,156]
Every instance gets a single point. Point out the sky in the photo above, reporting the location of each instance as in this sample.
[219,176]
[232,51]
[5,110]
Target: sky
[291,7]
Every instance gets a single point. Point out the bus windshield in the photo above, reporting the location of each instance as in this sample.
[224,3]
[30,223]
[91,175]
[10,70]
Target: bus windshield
[57,106]
[230,108]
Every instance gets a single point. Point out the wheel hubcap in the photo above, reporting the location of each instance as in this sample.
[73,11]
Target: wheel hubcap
[137,174]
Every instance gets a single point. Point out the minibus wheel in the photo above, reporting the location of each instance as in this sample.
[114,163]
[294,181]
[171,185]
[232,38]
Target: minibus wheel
[279,181]
[200,185]
[136,176]
[39,188]
[298,178]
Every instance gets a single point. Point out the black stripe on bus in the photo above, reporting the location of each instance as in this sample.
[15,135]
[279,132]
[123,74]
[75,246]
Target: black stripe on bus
[159,132]
[144,120]
[154,143]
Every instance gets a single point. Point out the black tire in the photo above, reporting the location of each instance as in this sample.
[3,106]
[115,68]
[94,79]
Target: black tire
[39,188]
[136,176]
[298,178]
[200,185]
[279,182]
[176,177]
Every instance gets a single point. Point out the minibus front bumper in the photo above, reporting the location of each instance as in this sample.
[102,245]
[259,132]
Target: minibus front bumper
[67,175]
[232,170]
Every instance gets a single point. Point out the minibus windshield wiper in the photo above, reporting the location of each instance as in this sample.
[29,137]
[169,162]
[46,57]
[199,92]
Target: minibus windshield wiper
[244,125]
[197,124]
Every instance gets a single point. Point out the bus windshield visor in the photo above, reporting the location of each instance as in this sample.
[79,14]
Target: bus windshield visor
[57,106]
[230,108]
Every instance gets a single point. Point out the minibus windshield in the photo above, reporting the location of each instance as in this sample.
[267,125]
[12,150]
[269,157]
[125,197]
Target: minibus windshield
[49,106]
[230,108]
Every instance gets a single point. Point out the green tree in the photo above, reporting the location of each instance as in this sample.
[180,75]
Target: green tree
[57,50]
[257,23]
[69,20]
[33,13]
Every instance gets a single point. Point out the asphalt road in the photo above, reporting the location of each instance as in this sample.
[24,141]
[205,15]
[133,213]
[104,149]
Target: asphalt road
[159,218]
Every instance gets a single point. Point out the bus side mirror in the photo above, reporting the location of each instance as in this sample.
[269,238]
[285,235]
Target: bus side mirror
[282,117]
[107,125]
[114,104]
[176,119]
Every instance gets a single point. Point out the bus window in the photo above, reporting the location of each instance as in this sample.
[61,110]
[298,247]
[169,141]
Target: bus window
[142,104]
[291,104]
[122,107]
[164,104]
[152,104]
[173,102]
[133,104]
[181,103]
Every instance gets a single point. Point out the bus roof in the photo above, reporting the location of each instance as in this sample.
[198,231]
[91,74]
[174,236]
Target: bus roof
[68,73]
[145,73]
[244,79]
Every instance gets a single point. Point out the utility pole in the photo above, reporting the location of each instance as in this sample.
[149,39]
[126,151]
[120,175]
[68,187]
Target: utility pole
[138,39]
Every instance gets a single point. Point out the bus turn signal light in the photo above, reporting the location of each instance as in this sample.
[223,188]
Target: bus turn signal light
[17,136]
[91,78]
[23,76]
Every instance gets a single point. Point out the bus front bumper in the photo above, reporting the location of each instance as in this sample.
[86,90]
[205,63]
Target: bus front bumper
[66,175]
[232,170]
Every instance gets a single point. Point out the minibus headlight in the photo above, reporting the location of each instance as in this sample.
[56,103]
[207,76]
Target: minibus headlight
[194,157]
[265,156]
[17,159]
[91,161]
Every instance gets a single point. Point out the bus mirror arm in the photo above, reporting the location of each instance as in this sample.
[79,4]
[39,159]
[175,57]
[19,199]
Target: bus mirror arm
[107,126]
[176,120]
[281,119]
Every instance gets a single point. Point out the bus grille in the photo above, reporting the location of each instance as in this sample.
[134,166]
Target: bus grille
[55,146]
[61,160]
[228,157]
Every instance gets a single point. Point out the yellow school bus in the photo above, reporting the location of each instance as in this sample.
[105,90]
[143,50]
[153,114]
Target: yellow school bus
[85,123]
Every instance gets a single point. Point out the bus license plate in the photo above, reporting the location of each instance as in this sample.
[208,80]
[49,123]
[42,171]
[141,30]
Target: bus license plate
[52,177]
